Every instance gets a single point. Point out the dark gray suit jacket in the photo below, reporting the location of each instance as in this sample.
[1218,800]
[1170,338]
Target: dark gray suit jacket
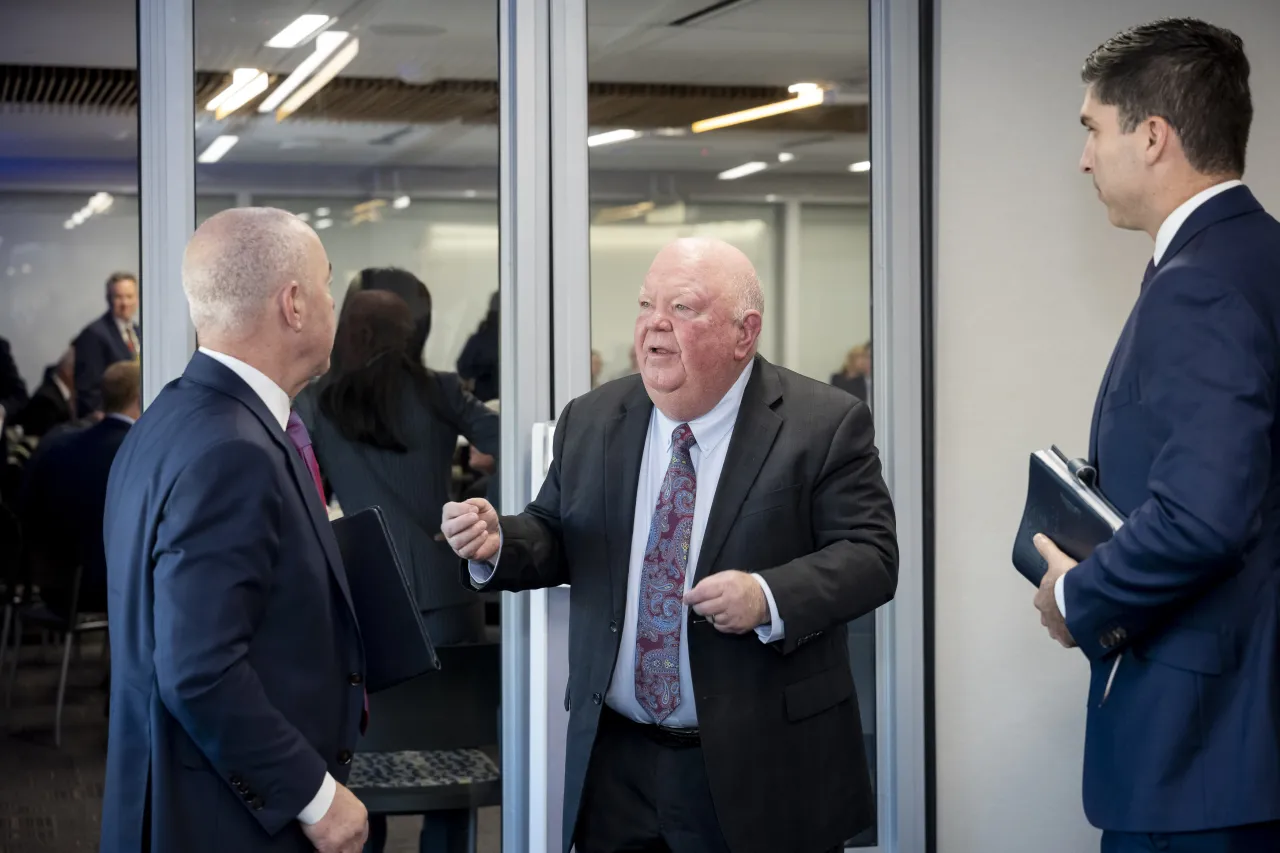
[801,500]
[410,487]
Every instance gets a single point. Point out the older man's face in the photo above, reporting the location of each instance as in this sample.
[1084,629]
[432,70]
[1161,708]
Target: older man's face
[686,337]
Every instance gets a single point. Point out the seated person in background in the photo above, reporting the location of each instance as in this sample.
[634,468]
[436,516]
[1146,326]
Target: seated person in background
[112,337]
[856,373]
[13,391]
[53,402]
[66,496]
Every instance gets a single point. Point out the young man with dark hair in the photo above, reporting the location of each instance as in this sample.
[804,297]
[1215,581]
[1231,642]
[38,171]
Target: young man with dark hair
[1179,614]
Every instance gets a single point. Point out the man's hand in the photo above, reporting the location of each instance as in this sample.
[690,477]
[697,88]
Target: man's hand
[732,601]
[471,529]
[1046,601]
[344,828]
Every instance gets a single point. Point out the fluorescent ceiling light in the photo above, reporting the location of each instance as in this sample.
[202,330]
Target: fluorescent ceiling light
[304,216]
[299,31]
[401,202]
[326,44]
[786,157]
[860,166]
[218,149]
[611,136]
[322,211]
[743,170]
[470,194]
[672,131]
[806,95]
[339,61]
[246,84]
[322,224]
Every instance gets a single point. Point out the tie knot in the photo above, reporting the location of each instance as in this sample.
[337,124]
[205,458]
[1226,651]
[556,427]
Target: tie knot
[682,438]
[297,432]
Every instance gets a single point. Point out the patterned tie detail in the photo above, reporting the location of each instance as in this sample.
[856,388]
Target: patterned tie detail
[666,558]
[301,440]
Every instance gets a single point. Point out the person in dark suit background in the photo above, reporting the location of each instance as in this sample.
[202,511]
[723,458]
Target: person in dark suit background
[712,707]
[478,363]
[113,337]
[13,391]
[53,401]
[237,668]
[65,500]
[854,377]
[385,428]
[1179,614]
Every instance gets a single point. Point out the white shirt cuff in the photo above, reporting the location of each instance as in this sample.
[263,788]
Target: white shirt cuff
[319,807]
[1060,596]
[483,572]
[776,629]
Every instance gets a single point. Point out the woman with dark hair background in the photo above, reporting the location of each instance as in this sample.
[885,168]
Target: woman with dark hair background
[384,429]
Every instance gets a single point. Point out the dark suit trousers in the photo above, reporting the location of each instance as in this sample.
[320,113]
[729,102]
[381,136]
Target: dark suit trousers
[646,796]
[1240,839]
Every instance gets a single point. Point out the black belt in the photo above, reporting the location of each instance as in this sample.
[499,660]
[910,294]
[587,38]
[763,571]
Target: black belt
[661,735]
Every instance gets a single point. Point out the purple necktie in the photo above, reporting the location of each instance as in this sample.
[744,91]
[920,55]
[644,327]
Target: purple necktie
[301,440]
[662,583]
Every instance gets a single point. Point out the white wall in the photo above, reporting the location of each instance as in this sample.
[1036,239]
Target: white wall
[1033,287]
[835,286]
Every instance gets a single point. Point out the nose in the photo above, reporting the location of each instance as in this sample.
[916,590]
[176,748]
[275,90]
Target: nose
[1086,161]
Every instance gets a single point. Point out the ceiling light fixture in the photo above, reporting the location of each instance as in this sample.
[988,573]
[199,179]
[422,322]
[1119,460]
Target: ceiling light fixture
[246,84]
[322,224]
[806,95]
[322,211]
[218,149]
[611,136]
[786,157]
[299,31]
[326,44]
[743,170]
[339,61]
[401,202]
[860,166]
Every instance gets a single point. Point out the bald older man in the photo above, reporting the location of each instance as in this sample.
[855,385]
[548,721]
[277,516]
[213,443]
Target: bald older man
[236,695]
[720,520]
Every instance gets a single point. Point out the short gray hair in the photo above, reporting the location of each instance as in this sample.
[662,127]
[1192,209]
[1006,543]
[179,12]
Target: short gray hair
[235,263]
[748,295]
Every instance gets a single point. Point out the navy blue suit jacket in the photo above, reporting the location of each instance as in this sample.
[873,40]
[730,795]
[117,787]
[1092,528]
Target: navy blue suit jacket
[236,660]
[98,346]
[1187,594]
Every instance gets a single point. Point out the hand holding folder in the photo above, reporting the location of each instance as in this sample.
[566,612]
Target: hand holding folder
[1065,504]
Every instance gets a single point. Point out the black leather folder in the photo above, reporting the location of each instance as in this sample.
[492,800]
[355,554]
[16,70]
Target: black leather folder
[396,645]
[1065,504]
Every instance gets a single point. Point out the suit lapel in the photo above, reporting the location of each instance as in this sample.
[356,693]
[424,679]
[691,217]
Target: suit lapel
[753,435]
[209,372]
[1106,376]
[623,452]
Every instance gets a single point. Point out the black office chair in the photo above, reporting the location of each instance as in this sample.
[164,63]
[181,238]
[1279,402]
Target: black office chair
[72,626]
[432,742]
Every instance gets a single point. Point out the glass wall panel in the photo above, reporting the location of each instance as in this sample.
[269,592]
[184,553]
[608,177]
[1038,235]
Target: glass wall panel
[790,188]
[377,123]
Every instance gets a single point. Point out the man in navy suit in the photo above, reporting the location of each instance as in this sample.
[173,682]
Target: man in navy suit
[1179,614]
[112,337]
[237,669]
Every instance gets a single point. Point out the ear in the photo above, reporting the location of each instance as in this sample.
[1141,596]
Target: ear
[1158,138]
[748,333]
[291,305]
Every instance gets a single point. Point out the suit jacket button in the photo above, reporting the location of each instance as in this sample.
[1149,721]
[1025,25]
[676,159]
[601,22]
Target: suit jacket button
[356,679]
[344,757]
[613,627]
[597,698]
[257,804]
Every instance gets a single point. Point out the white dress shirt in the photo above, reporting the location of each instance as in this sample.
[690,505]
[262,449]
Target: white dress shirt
[1164,238]
[277,401]
[62,388]
[130,334]
[712,433]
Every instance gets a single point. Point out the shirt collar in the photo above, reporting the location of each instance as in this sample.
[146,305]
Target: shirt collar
[273,396]
[123,325]
[122,417]
[1169,229]
[712,428]
[62,387]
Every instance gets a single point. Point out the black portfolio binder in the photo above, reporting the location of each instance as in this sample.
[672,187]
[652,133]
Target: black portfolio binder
[1065,504]
[396,645]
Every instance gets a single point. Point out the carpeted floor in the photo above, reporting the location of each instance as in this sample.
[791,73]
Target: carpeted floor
[50,799]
